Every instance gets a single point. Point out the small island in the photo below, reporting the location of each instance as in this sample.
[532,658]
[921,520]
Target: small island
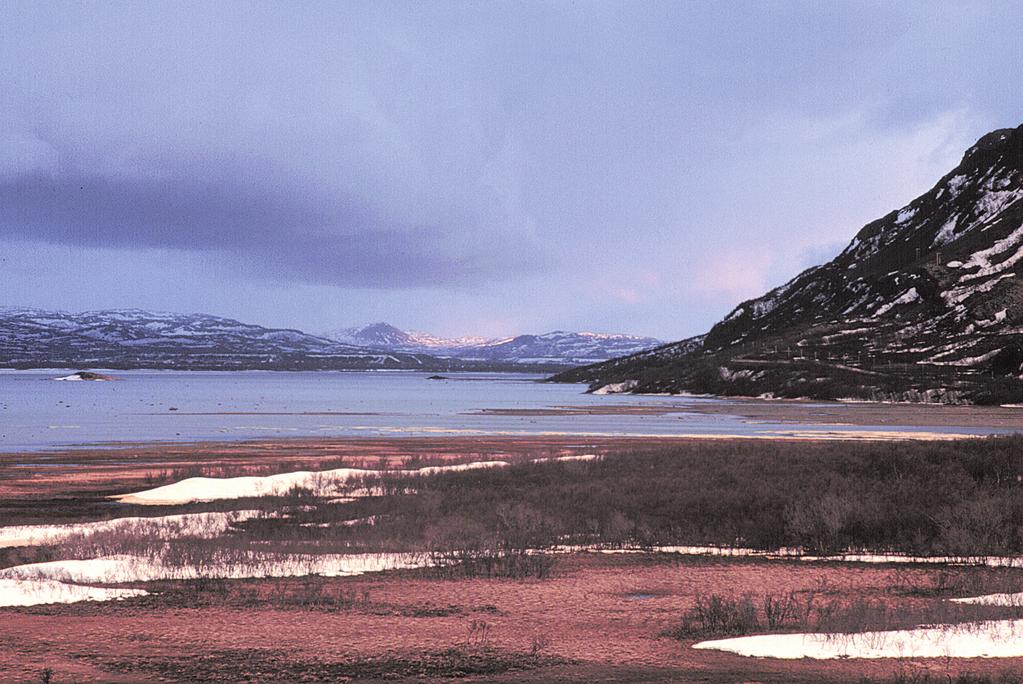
[86,375]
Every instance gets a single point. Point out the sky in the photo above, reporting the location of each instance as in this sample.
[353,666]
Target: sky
[473,168]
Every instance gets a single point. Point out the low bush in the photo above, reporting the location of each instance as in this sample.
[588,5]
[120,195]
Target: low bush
[713,616]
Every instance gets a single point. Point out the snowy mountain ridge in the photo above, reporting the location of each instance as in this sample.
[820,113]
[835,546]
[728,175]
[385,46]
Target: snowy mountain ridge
[558,347]
[133,338]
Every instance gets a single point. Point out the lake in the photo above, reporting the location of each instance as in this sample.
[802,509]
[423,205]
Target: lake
[38,413]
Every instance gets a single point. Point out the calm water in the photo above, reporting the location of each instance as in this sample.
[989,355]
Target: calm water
[38,413]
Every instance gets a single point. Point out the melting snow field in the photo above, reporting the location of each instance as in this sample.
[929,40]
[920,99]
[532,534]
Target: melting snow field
[205,525]
[64,581]
[798,554]
[993,600]
[73,580]
[989,639]
[19,592]
[125,568]
[320,483]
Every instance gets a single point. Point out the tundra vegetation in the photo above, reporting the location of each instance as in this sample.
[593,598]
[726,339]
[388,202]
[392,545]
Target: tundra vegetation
[960,499]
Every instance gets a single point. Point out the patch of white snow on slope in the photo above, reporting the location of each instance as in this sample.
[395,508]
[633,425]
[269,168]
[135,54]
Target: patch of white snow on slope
[573,457]
[946,233]
[1014,600]
[961,293]
[126,568]
[908,297]
[791,553]
[20,592]
[989,639]
[205,525]
[905,215]
[616,387]
[321,483]
[982,260]
[965,361]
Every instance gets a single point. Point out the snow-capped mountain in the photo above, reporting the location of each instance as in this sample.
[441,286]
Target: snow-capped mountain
[131,338]
[386,336]
[560,347]
[380,335]
[924,304]
[554,348]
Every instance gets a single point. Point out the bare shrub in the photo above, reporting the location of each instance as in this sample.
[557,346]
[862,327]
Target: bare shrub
[718,616]
[478,633]
[818,522]
[537,645]
[780,611]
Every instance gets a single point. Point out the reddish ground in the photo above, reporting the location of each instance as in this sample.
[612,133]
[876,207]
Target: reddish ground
[602,616]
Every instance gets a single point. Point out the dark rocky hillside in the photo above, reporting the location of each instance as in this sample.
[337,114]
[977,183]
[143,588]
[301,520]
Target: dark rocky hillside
[925,304]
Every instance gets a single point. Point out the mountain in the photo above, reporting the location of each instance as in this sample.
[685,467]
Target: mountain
[570,348]
[923,305]
[554,348]
[130,338]
[381,335]
[386,336]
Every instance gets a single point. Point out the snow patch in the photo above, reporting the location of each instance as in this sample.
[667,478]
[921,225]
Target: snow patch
[956,183]
[126,568]
[946,233]
[205,525]
[21,592]
[982,260]
[989,639]
[320,483]
[735,314]
[965,361]
[905,216]
[324,483]
[992,600]
[616,387]
[910,296]
[959,294]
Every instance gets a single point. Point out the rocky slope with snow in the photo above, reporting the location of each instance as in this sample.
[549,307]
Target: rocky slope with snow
[924,304]
[130,338]
[554,348]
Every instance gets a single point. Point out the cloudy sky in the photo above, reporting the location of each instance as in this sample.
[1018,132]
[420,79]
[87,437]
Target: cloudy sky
[472,168]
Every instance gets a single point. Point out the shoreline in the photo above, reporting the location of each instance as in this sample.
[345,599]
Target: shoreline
[809,420]
[803,411]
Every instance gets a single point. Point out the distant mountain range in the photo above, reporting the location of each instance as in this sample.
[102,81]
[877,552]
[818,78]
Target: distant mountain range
[558,348]
[132,338]
[925,304]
